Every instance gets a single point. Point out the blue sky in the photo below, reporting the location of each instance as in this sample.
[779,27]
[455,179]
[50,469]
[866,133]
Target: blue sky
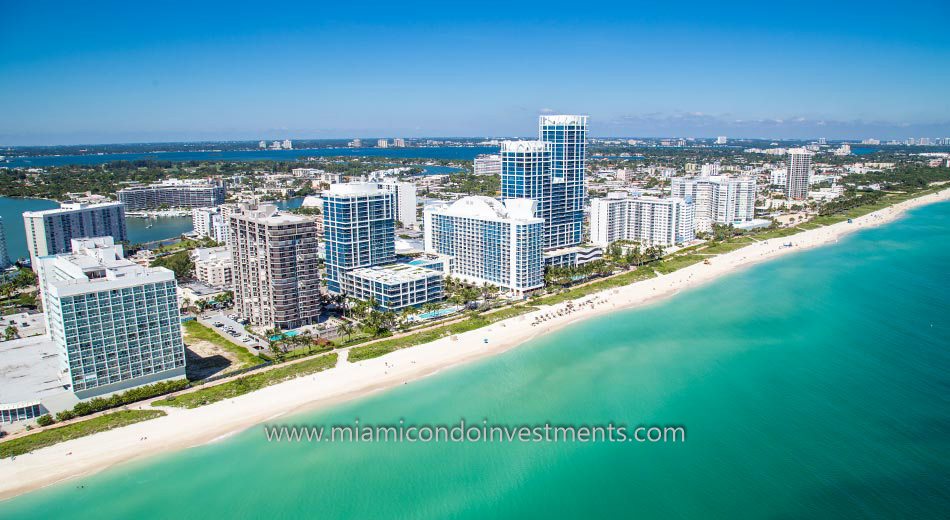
[99,72]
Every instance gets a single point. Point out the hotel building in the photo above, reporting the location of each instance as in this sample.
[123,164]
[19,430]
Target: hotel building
[52,231]
[718,200]
[551,171]
[275,269]
[173,193]
[487,241]
[115,322]
[798,173]
[651,221]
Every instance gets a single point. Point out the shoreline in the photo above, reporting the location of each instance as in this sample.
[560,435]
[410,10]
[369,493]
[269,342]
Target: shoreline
[183,428]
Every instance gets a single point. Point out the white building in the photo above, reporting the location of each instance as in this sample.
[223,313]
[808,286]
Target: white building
[399,142]
[208,222]
[394,286]
[651,221]
[405,197]
[115,322]
[213,266]
[382,143]
[722,139]
[488,241]
[51,231]
[778,177]
[799,171]
[487,165]
[709,170]
[717,200]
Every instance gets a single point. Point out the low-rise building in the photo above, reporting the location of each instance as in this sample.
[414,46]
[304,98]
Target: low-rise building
[394,286]
[213,266]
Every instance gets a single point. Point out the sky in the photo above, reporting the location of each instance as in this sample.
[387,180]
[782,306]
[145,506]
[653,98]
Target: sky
[104,72]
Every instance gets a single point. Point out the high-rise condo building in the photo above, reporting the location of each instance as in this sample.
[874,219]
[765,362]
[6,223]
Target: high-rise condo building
[718,199]
[276,275]
[651,221]
[51,231]
[568,137]
[4,254]
[487,165]
[173,193]
[487,241]
[382,143]
[115,322]
[208,222]
[404,196]
[359,229]
[798,174]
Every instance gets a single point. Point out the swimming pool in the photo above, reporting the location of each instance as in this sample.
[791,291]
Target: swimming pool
[288,334]
[438,313]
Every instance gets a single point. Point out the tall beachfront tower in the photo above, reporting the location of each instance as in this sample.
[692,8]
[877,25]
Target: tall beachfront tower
[359,229]
[567,135]
[274,259]
[799,170]
[526,174]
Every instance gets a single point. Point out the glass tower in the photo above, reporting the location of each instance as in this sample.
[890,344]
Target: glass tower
[551,171]
[359,228]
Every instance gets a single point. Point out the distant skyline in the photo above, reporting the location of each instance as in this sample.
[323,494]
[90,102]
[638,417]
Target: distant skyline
[120,72]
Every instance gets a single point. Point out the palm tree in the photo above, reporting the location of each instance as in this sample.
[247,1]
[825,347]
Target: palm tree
[346,329]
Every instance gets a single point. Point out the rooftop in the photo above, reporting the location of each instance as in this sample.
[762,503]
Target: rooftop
[525,146]
[394,273]
[563,120]
[30,373]
[487,208]
[69,207]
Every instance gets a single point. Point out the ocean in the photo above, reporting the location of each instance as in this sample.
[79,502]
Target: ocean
[813,386]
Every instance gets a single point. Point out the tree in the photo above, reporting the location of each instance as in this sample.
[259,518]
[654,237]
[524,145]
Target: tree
[345,329]
[11,332]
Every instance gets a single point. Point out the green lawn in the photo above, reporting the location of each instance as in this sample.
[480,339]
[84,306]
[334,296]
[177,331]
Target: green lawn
[195,330]
[49,437]
[248,383]
[474,321]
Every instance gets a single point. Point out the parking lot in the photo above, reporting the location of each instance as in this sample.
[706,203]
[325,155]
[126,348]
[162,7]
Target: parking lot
[232,330]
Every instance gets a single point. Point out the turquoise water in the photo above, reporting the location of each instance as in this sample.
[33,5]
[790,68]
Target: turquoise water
[814,386]
[288,334]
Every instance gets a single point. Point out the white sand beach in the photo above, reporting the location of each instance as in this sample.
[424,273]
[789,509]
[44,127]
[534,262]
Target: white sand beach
[185,428]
